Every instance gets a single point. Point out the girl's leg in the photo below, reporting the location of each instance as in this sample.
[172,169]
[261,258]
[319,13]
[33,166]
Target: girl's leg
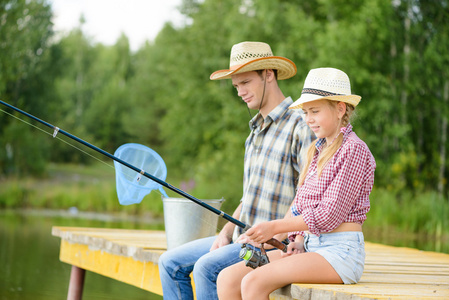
[229,280]
[307,267]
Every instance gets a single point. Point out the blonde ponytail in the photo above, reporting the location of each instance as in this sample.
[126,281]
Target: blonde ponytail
[330,150]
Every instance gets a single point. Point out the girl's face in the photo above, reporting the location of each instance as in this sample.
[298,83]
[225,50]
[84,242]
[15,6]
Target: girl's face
[323,118]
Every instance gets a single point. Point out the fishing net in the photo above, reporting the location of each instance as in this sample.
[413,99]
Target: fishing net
[132,186]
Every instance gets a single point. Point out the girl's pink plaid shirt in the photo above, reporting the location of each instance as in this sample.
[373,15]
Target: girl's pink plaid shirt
[341,193]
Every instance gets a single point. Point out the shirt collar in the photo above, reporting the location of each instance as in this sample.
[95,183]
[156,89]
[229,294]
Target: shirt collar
[344,130]
[274,116]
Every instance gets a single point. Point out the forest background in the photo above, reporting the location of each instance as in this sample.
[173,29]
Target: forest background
[395,52]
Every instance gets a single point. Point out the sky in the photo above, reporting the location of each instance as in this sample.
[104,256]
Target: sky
[140,20]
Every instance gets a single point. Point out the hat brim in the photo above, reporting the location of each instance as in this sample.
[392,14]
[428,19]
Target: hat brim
[350,99]
[285,67]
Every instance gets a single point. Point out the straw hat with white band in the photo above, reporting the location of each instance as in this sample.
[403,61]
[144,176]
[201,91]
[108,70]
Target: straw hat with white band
[253,56]
[326,83]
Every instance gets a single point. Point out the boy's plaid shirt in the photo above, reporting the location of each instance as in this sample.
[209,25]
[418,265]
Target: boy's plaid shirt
[274,151]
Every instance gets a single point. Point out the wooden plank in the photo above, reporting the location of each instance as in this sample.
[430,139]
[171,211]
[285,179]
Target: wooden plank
[403,278]
[117,241]
[367,291]
[408,270]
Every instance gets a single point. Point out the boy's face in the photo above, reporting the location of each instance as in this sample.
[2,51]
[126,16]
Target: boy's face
[249,86]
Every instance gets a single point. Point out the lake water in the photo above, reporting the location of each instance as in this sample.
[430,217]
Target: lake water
[29,258]
[31,270]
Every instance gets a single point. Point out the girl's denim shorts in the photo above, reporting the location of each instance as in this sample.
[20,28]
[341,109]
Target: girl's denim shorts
[345,251]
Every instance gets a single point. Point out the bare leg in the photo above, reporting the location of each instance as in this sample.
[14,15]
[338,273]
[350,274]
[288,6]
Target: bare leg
[229,281]
[304,267]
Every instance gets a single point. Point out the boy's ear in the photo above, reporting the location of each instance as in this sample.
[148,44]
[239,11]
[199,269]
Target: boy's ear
[270,74]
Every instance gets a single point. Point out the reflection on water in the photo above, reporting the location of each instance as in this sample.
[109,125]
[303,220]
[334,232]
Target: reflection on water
[30,266]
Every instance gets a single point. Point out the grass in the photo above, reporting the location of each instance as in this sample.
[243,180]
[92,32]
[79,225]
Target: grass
[88,188]
[409,220]
[419,213]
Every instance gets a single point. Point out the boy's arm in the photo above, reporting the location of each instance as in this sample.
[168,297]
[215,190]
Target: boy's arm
[225,236]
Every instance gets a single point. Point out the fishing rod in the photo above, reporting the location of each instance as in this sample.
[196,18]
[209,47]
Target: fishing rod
[56,130]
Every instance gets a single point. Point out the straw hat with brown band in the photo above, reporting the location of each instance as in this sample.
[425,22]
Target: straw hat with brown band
[253,56]
[326,83]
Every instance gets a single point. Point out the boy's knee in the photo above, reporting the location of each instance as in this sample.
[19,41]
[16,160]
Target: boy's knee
[167,262]
[201,267]
[164,257]
[206,269]
[162,262]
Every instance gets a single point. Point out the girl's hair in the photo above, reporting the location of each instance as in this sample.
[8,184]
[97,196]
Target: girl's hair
[330,150]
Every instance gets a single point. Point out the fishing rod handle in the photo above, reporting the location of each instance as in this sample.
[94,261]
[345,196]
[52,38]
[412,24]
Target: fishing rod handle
[277,244]
[273,242]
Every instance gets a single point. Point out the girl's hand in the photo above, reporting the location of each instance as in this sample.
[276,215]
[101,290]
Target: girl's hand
[294,248]
[261,232]
[244,239]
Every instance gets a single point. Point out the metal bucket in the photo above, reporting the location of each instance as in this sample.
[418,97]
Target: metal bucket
[186,221]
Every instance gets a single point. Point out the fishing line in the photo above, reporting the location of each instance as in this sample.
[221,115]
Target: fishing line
[64,141]
[71,145]
[190,211]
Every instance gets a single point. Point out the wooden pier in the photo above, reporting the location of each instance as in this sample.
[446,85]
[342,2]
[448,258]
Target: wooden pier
[131,256]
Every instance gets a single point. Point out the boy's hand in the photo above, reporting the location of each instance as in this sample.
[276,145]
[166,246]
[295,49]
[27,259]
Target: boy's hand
[222,240]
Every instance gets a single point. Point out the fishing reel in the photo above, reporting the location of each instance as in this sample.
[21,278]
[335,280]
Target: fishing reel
[253,257]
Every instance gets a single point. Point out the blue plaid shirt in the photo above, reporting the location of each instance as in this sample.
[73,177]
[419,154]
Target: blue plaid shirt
[274,151]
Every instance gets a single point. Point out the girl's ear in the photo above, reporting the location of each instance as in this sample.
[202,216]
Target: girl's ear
[341,109]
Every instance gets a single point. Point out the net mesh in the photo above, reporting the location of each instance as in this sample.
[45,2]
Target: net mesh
[132,186]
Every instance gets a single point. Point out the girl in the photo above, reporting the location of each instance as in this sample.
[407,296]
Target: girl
[325,222]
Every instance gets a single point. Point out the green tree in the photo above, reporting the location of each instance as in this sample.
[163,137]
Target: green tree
[92,93]
[109,104]
[25,79]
